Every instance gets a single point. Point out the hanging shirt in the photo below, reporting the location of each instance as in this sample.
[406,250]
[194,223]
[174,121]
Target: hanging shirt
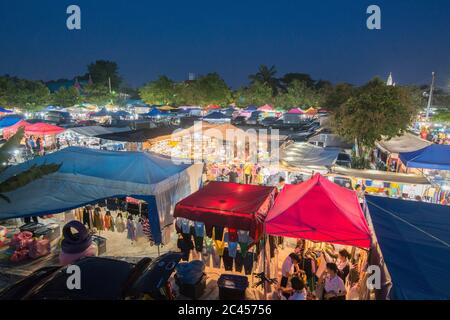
[199,228]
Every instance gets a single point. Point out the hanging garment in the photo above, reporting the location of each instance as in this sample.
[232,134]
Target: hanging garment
[206,256]
[199,229]
[215,260]
[185,247]
[178,226]
[139,229]
[198,243]
[218,233]
[238,262]
[98,219]
[185,226]
[244,248]
[232,249]
[131,230]
[113,224]
[227,260]
[120,224]
[107,222]
[209,230]
[243,236]
[147,230]
[248,263]
[86,218]
[232,235]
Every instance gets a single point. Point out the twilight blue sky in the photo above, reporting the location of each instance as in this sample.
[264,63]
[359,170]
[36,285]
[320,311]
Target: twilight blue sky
[147,38]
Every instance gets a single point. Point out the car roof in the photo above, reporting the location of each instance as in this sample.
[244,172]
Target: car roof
[101,278]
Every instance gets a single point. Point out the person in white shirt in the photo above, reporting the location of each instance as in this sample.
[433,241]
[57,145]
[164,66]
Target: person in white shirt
[287,269]
[299,292]
[334,287]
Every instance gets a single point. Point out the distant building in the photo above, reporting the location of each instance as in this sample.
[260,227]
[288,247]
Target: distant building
[390,80]
[54,86]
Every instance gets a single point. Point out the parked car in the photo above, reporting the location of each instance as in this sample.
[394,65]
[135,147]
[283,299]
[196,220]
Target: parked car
[280,124]
[344,160]
[268,121]
[101,279]
[239,120]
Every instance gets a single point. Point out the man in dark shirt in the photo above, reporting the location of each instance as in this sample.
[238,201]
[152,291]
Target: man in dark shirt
[232,175]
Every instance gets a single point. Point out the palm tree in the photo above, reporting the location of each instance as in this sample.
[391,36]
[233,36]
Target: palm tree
[266,75]
[25,177]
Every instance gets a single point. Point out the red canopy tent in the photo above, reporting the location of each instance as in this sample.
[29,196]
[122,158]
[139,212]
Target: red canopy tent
[8,132]
[42,129]
[232,205]
[212,107]
[319,210]
[296,111]
[265,108]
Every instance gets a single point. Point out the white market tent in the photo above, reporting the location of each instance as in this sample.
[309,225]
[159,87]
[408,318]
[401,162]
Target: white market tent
[308,156]
[87,176]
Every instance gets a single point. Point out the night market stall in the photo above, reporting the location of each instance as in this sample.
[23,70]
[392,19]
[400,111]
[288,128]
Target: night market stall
[87,176]
[221,225]
[332,229]
[411,245]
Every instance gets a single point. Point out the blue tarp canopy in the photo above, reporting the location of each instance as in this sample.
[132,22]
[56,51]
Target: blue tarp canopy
[153,113]
[414,238]
[87,176]
[9,121]
[251,108]
[5,110]
[215,115]
[435,156]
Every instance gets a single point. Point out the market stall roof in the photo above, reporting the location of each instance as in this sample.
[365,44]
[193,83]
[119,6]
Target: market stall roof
[435,156]
[95,131]
[121,113]
[405,143]
[251,108]
[140,135]
[311,111]
[43,129]
[3,110]
[11,130]
[9,121]
[233,205]
[319,210]
[296,111]
[414,239]
[213,106]
[381,175]
[306,155]
[215,115]
[87,176]
[266,108]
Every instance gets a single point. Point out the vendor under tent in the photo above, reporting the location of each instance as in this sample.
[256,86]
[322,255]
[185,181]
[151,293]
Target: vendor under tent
[412,246]
[232,205]
[319,210]
[389,150]
[87,176]
[435,157]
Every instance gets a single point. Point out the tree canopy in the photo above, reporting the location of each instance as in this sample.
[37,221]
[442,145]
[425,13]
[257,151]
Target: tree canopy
[102,70]
[66,97]
[25,94]
[375,111]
